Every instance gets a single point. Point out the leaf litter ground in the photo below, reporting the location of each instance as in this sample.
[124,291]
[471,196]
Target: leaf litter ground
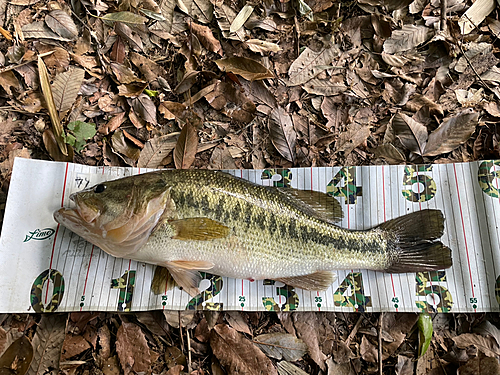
[227,84]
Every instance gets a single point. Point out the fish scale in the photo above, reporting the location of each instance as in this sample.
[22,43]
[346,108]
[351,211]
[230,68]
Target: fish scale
[190,220]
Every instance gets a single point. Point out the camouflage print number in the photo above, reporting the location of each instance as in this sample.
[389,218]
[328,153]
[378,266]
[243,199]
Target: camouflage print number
[433,297]
[291,298]
[486,175]
[349,191]
[357,299]
[199,302]
[414,180]
[57,294]
[126,284]
[284,179]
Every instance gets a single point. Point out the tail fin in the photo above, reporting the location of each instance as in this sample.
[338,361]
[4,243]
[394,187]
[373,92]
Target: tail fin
[411,242]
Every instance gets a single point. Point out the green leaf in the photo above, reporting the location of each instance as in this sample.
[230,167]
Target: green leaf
[82,131]
[425,331]
[151,93]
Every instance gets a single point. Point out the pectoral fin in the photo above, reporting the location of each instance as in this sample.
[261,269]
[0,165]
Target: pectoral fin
[320,280]
[198,228]
[186,275]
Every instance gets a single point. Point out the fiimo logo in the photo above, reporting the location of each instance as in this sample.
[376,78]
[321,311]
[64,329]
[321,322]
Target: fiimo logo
[39,234]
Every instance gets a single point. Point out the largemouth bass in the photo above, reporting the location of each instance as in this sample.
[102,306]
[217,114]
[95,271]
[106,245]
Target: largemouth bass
[201,220]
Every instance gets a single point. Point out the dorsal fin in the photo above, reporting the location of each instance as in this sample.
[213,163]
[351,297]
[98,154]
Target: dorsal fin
[315,203]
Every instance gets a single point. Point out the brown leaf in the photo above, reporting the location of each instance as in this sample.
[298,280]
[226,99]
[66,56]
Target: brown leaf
[355,135]
[480,366]
[282,133]
[185,149]
[411,133]
[310,63]
[17,358]
[154,322]
[39,30]
[206,38]
[131,37]
[307,329]
[405,365]
[65,88]
[47,344]
[149,68]
[487,345]
[132,349]
[62,24]
[397,325]
[157,149]
[221,159]
[73,345]
[129,153]
[238,321]
[132,90]
[281,345]
[112,124]
[237,354]
[368,351]
[172,110]
[124,74]
[144,107]
[451,133]
[7,80]
[232,102]
[49,100]
[249,69]
[389,153]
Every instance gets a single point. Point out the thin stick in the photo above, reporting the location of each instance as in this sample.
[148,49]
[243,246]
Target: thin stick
[442,23]
[380,343]
[189,351]
[354,330]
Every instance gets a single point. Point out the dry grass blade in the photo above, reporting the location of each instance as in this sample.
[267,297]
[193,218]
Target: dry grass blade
[51,107]
[282,133]
[185,149]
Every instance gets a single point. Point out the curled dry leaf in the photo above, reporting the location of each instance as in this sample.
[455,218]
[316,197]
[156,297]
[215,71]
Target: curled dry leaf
[237,354]
[249,69]
[65,88]
[451,133]
[281,345]
[282,133]
[186,147]
[257,45]
[144,106]
[157,149]
[62,24]
[206,37]
[411,133]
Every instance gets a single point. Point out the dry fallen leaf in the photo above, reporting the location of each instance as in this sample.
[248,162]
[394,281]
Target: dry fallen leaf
[282,133]
[186,146]
[157,149]
[132,349]
[65,88]
[237,354]
[412,134]
[281,345]
[247,68]
[310,63]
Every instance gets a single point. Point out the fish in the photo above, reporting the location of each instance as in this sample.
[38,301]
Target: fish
[203,220]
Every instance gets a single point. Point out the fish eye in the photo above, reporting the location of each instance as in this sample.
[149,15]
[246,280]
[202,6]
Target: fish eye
[99,188]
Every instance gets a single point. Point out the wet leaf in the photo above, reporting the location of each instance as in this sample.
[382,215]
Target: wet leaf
[247,68]
[62,24]
[281,346]
[451,133]
[237,354]
[411,133]
[425,331]
[185,149]
[65,88]
[125,17]
[157,149]
[17,358]
[241,18]
[310,63]
[47,344]
[51,107]
[282,133]
[132,349]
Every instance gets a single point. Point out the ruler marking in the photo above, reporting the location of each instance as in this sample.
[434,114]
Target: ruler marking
[87,275]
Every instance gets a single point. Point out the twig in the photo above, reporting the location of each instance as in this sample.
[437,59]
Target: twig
[354,330]
[442,22]
[189,351]
[380,343]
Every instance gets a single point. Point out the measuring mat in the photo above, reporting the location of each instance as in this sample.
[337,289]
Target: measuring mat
[45,267]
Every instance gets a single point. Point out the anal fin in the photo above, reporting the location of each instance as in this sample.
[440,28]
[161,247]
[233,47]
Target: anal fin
[320,280]
[162,281]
